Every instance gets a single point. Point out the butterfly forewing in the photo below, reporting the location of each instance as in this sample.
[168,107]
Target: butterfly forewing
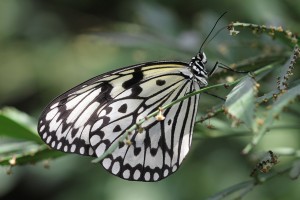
[93,115]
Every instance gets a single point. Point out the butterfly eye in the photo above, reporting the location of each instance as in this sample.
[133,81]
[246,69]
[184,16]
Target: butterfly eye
[202,57]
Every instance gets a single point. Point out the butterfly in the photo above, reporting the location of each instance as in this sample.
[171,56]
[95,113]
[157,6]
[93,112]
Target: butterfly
[92,116]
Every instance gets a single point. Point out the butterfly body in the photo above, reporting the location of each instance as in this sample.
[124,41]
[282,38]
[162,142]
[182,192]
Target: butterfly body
[92,116]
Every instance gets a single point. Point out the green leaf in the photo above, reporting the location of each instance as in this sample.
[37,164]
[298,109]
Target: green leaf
[243,187]
[7,148]
[278,105]
[16,124]
[29,148]
[240,102]
[283,100]
[295,171]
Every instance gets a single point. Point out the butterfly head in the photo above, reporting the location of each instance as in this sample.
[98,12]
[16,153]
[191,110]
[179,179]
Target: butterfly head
[197,66]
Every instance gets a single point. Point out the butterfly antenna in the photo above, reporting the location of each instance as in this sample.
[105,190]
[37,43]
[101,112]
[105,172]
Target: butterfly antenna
[221,29]
[211,30]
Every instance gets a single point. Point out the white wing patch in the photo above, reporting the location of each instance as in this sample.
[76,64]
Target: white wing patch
[91,117]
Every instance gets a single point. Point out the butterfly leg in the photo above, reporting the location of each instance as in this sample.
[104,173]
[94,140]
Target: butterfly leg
[223,66]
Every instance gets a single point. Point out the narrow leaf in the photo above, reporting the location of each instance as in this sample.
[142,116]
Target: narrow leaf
[242,187]
[283,100]
[240,103]
[16,124]
[295,171]
[14,147]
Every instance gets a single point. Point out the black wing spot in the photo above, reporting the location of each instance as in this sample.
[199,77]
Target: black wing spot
[136,90]
[73,133]
[153,151]
[117,128]
[169,122]
[137,76]
[137,151]
[108,110]
[101,134]
[121,144]
[160,82]
[123,108]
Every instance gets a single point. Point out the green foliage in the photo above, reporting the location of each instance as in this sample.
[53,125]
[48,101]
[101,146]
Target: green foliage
[21,145]
[17,125]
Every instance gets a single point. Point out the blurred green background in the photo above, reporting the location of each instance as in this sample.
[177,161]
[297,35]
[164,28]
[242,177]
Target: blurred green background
[46,47]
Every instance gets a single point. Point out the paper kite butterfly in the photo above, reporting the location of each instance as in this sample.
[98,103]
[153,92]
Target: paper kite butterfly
[92,116]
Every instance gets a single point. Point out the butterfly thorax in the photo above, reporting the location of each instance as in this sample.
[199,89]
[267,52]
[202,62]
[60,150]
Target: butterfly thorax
[197,67]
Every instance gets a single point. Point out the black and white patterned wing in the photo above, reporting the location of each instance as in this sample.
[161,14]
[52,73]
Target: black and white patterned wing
[90,117]
[159,149]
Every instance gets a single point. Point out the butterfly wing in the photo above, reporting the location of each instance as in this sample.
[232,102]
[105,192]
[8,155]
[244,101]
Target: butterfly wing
[93,115]
[159,149]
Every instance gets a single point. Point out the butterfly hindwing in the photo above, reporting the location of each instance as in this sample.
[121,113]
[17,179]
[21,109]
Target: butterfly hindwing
[159,149]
